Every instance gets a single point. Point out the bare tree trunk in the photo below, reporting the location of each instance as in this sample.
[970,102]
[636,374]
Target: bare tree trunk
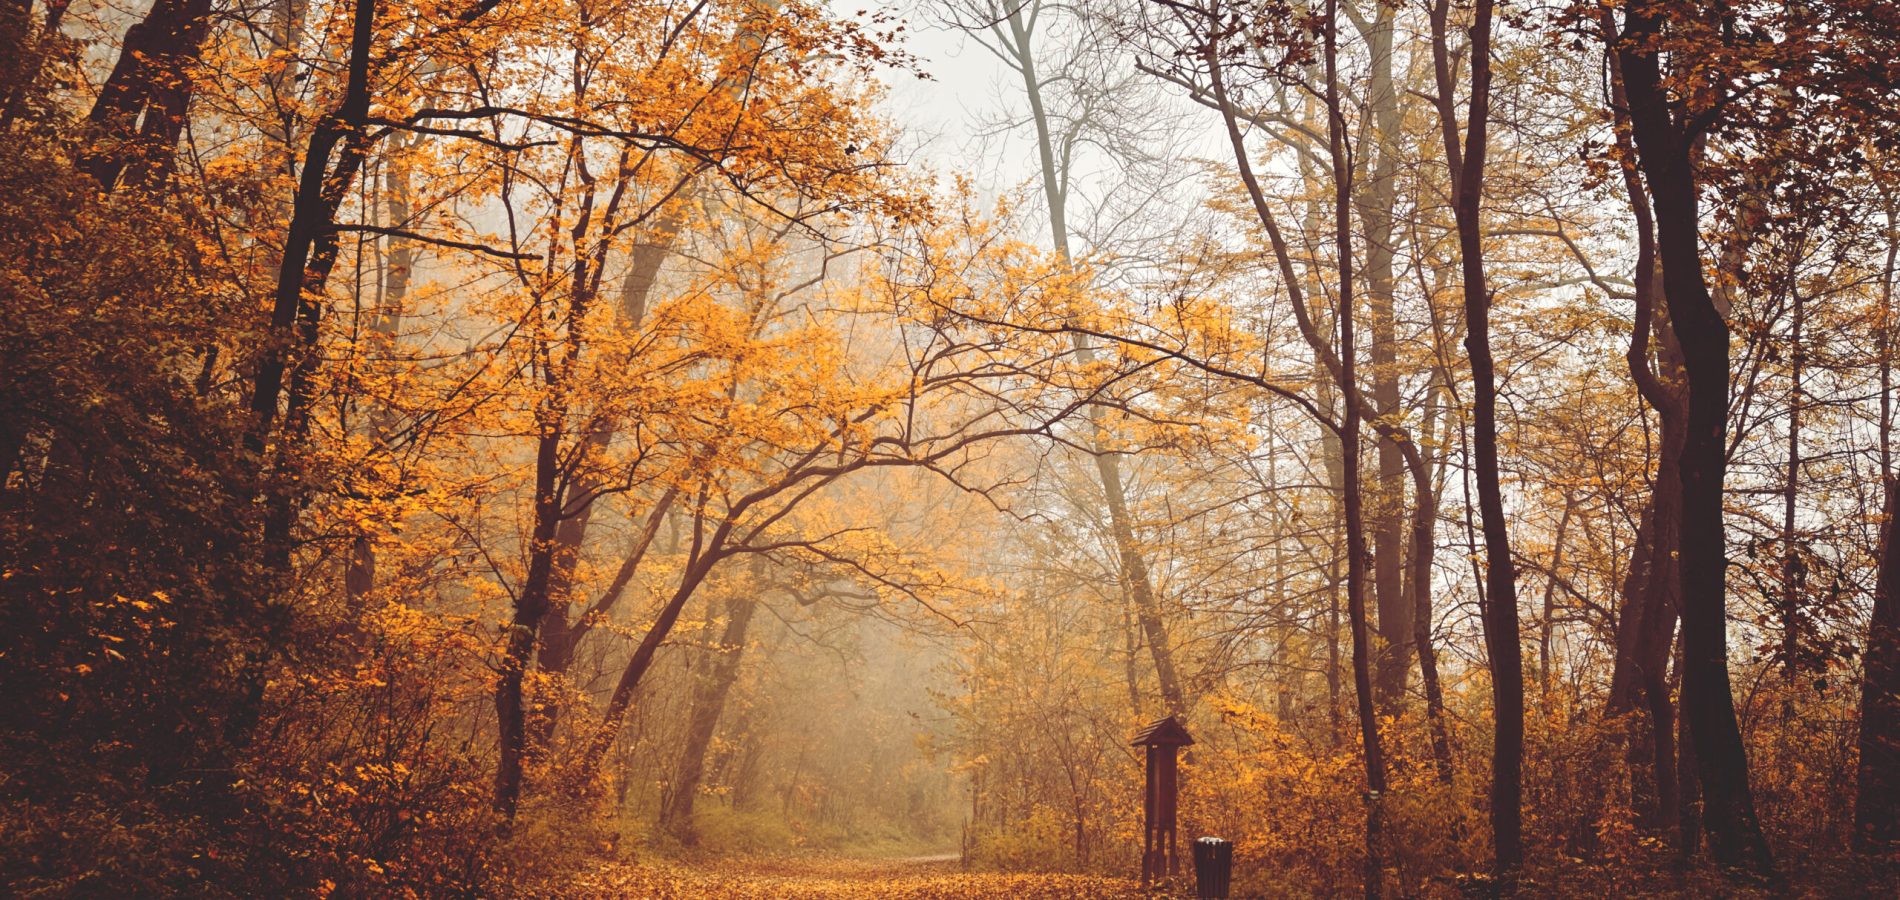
[1356,550]
[1131,671]
[530,606]
[1424,523]
[1133,564]
[1333,457]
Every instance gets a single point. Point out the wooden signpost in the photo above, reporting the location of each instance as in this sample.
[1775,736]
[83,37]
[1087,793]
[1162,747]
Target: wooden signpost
[1159,856]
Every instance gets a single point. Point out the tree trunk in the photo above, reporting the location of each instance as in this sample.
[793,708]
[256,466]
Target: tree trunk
[1877,800]
[1424,523]
[557,638]
[1794,570]
[1734,832]
[1501,638]
[709,703]
[359,578]
[152,79]
[561,631]
[1356,550]
[310,247]
[1333,457]
[1549,613]
[561,502]
[1652,591]
[530,607]
[1133,565]
[1376,198]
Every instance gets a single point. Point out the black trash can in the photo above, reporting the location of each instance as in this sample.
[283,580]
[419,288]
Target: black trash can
[1213,867]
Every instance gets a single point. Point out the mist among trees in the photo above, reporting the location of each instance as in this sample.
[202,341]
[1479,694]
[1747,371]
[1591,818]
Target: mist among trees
[639,448]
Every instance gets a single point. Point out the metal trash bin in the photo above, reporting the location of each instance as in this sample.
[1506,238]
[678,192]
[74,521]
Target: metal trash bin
[1213,867]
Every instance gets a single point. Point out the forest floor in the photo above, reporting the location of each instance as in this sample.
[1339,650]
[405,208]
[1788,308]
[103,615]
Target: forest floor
[824,877]
[811,878]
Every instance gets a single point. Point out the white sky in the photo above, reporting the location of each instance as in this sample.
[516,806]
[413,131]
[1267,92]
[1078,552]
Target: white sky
[942,116]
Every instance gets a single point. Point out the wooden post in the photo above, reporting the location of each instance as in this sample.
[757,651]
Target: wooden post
[1160,855]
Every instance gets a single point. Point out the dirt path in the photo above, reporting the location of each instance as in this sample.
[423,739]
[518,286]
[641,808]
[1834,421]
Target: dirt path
[811,878]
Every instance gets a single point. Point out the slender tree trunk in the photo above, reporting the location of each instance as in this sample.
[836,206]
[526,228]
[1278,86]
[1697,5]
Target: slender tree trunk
[359,578]
[1501,637]
[561,633]
[1133,564]
[1735,835]
[1655,623]
[1357,555]
[1418,589]
[1333,457]
[530,606]
[1630,611]
[1131,668]
[310,248]
[1549,613]
[1794,570]
[1424,523]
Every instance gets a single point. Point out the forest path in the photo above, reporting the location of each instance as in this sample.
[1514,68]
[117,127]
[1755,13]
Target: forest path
[811,878]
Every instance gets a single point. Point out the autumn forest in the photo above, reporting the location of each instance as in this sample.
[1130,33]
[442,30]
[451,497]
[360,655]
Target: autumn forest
[791,448]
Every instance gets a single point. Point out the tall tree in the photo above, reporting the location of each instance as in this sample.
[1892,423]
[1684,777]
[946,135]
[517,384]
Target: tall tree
[1664,133]
[1877,796]
[1503,645]
[1010,30]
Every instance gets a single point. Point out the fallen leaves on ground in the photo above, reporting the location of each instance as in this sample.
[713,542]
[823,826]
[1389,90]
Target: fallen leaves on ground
[795,878]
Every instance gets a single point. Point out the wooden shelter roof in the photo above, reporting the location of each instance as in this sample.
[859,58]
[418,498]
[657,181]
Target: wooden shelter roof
[1162,733]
